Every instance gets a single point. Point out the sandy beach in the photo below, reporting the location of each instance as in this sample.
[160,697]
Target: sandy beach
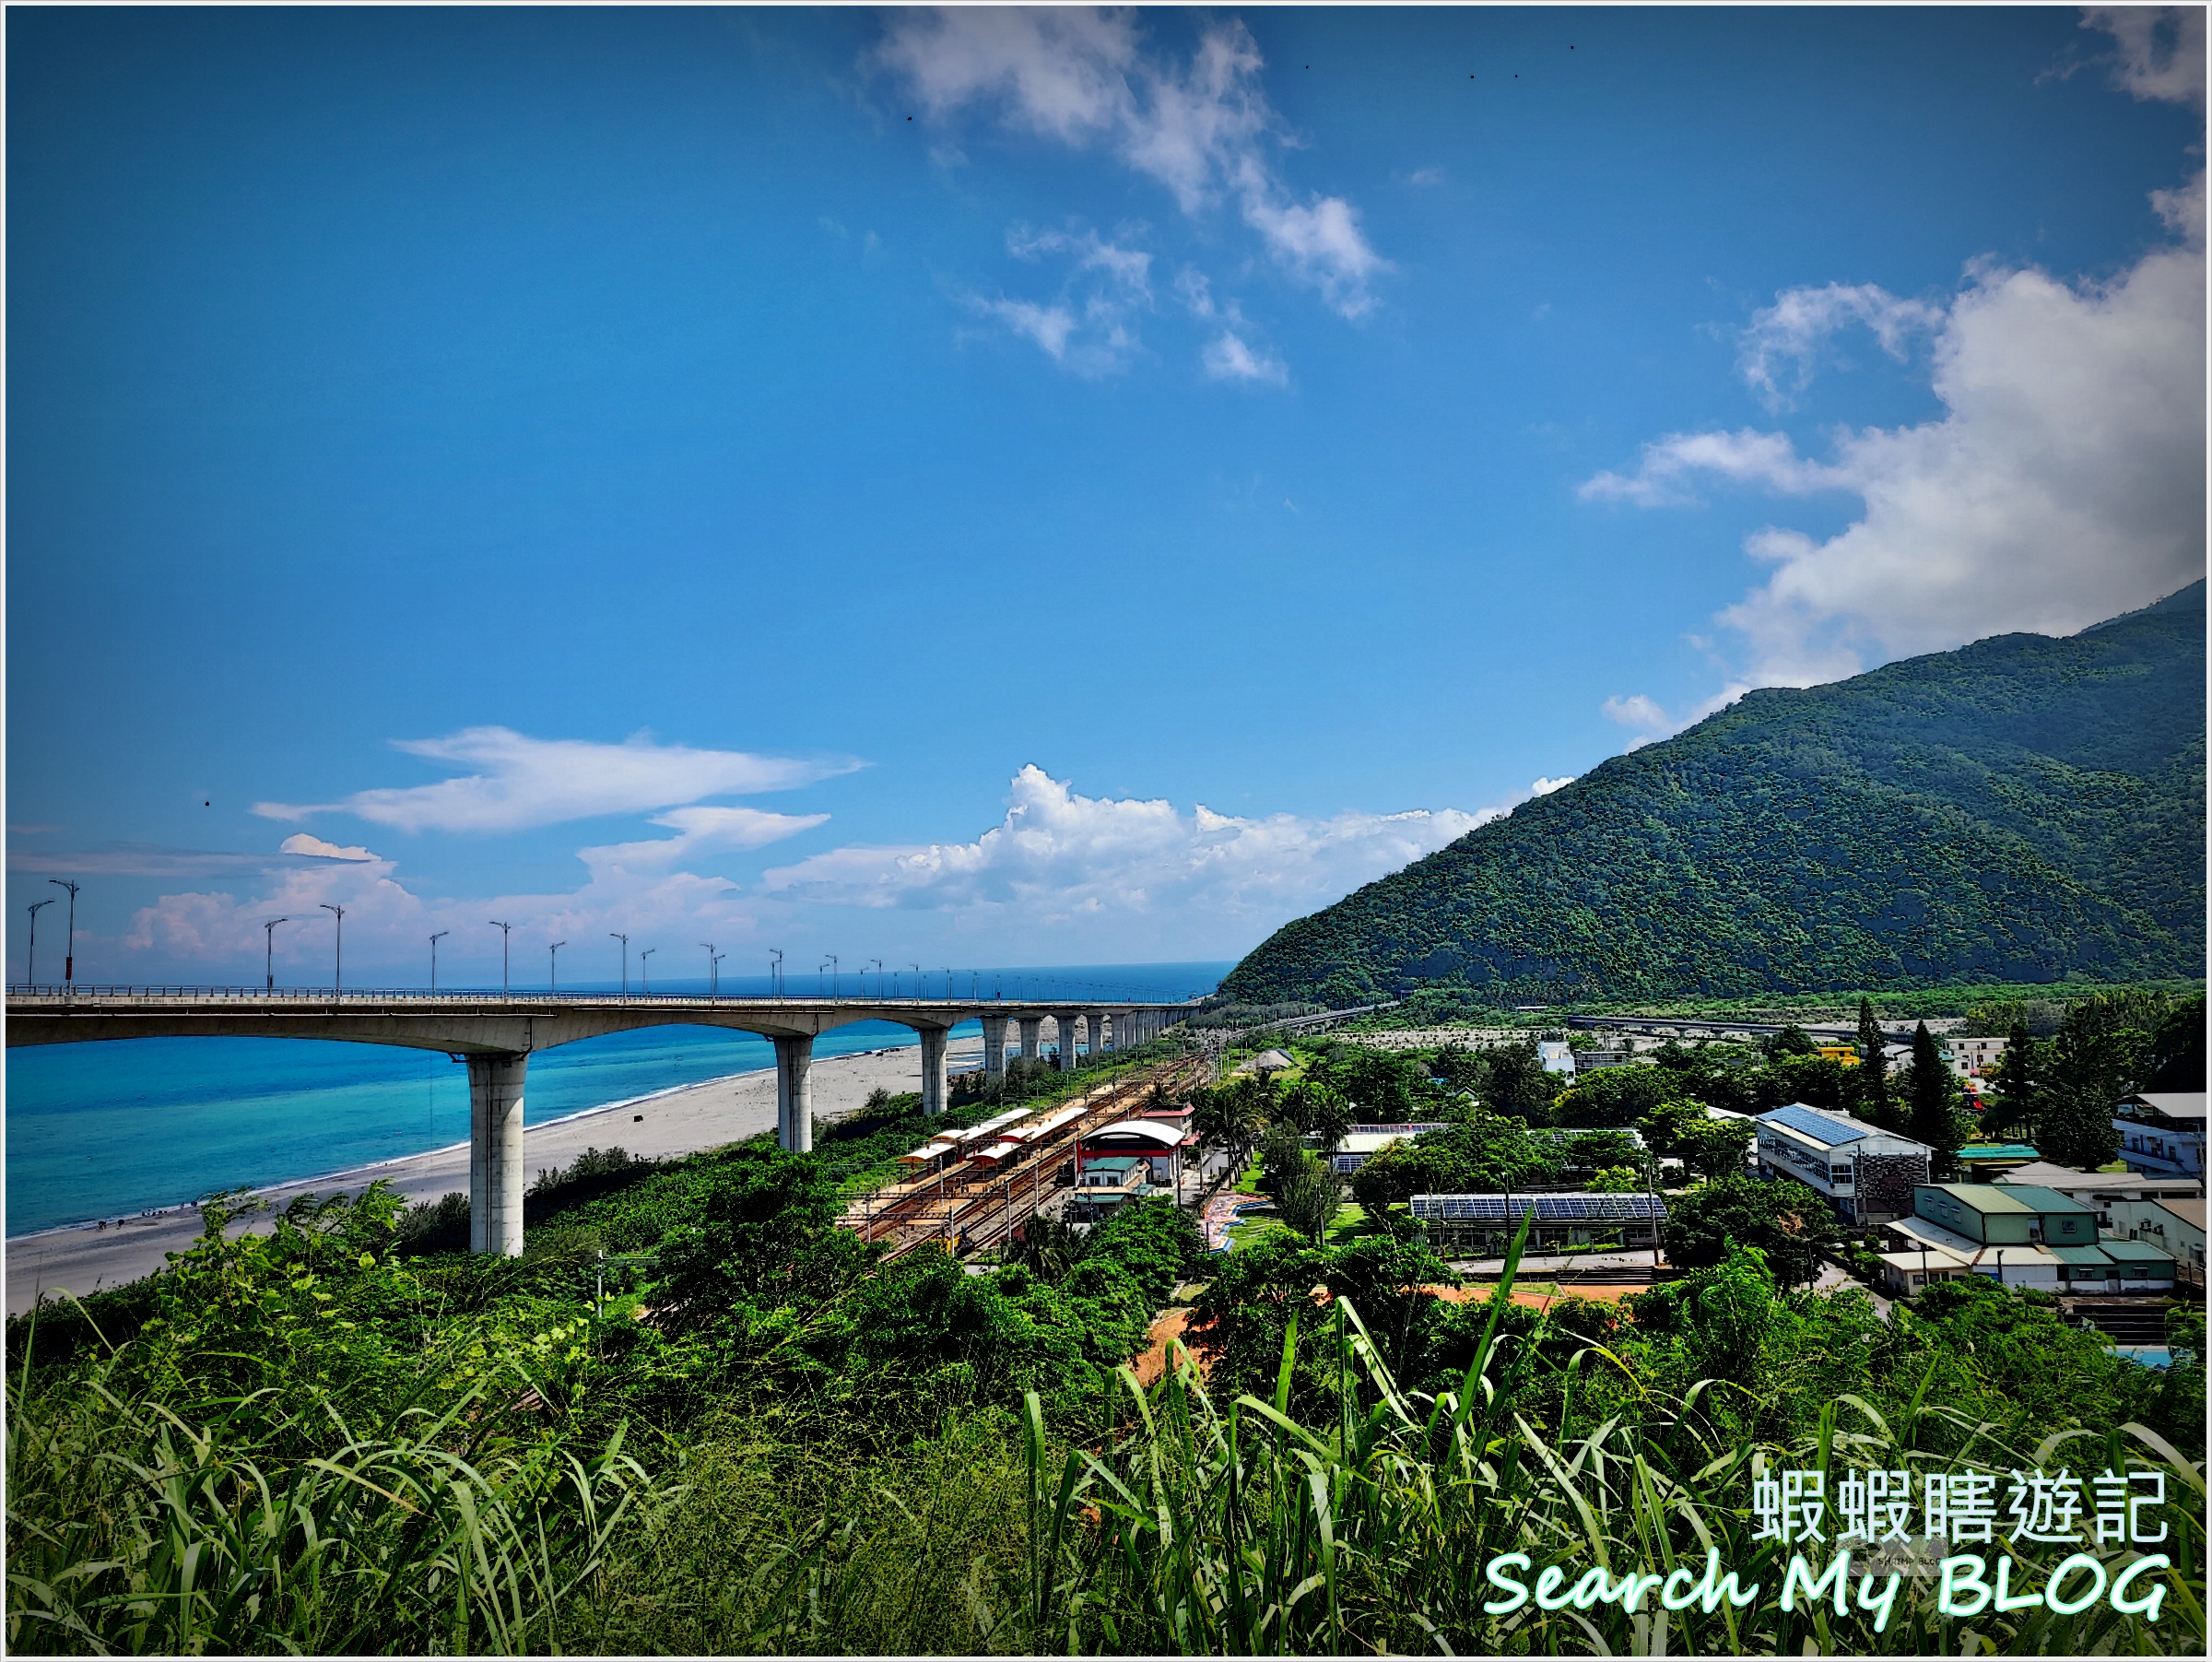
[85,1258]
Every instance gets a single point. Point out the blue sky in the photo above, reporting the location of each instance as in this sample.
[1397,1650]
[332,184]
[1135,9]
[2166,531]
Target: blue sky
[1019,487]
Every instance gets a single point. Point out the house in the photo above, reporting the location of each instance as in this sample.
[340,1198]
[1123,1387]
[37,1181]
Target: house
[1555,1056]
[2098,1190]
[2011,1214]
[2177,1226]
[1106,1185]
[1980,1055]
[1483,1225]
[1361,1144]
[1985,1162]
[1268,1061]
[1866,1174]
[2162,1133]
[1158,1142]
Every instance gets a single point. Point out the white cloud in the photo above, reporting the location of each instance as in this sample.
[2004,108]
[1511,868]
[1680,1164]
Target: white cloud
[1543,788]
[1228,357]
[1792,331]
[1049,326]
[300,843]
[2063,482]
[1747,457]
[1129,267]
[1088,327]
[1645,716]
[1201,130]
[1636,710]
[523,783]
[2160,51]
[701,830]
[1059,855]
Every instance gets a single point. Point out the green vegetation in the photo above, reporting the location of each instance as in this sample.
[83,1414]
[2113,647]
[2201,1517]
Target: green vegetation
[742,1431]
[2022,810]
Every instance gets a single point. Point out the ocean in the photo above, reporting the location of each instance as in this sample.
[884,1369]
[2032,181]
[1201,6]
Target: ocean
[110,1129]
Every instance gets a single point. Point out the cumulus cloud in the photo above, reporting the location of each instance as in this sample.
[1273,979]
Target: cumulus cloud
[1202,130]
[300,843]
[1645,716]
[1058,855]
[2064,481]
[521,783]
[2160,49]
[1089,324]
[1543,788]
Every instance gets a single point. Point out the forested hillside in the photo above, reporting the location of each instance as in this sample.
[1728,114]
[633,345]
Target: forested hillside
[2021,809]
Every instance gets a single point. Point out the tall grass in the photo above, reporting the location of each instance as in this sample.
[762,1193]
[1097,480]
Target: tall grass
[132,1530]
[1200,1527]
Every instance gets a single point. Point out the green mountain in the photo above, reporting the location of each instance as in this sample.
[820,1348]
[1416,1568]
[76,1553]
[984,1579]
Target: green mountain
[2023,810]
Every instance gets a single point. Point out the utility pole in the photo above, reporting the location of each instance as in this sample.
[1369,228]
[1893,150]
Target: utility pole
[553,964]
[337,974]
[645,982]
[434,941]
[69,946]
[31,962]
[502,928]
[625,940]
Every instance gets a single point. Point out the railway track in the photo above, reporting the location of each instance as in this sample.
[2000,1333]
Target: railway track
[972,1206]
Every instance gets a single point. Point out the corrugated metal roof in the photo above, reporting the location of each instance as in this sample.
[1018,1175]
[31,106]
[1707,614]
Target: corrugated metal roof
[1822,1128]
[2091,1255]
[2045,1199]
[2140,1251]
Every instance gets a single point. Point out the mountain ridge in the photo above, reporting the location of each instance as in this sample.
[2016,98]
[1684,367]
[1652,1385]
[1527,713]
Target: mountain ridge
[2023,808]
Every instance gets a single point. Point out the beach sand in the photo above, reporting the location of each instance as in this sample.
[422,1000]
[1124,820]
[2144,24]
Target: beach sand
[84,1259]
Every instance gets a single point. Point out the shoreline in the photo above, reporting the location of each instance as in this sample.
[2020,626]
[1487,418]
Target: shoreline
[675,1121]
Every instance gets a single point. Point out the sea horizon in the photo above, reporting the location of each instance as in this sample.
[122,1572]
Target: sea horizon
[120,1127]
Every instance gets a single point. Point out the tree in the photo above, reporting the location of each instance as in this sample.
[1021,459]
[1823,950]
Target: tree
[1306,1198]
[2177,1050]
[1616,1180]
[2011,1109]
[1937,1118]
[1600,1148]
[1793,1041]
[1715,1148]
[1664,1125]
[1784,1219]
[1517,1083]
[2074,1126]
[1282,1152]
[1319,1108]
[1873,1095]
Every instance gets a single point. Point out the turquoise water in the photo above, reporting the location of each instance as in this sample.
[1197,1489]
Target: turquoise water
[110,1129]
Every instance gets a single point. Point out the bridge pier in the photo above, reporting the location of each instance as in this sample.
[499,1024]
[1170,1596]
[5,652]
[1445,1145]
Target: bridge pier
[994,1045]
[932,1068]
[495,1154]
[1096,1022]
[1064,1034]
[795,1096]
[1032,1029]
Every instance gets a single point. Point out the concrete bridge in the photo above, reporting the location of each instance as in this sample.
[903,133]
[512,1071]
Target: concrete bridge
[495,1033]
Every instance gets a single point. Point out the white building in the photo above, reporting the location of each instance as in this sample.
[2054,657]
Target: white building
[1556,1056]
[2162,1133]
[1866,1174]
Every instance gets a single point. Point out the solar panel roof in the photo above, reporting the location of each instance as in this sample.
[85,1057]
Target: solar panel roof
[1549,1208]
[1818,1126]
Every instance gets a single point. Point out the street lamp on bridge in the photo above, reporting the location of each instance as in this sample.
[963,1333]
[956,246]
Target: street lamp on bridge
[502,928]
[775,970]
[434,941]
[829,963]
[715,972]
[68,946]
[31,962]
[337,973]
[553,964]
[625,940]
[711,961]
[644,980]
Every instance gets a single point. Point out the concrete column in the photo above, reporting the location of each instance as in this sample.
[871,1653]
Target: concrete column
[1032,1028]
[1096,1022]
[794,1096]
[1065,1028]
[933,1070]
[495,1154]
[994,1045]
